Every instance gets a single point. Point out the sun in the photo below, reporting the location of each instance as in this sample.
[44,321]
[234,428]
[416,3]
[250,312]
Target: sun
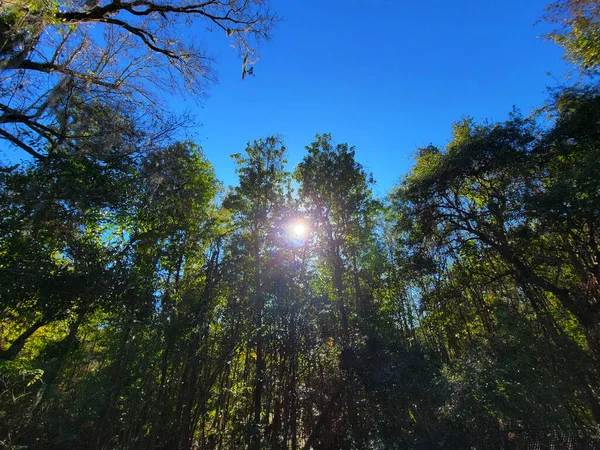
[299,230]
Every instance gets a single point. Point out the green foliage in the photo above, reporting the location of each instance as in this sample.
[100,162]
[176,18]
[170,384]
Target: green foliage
[501,219]
[517,378]
[21,22]
[143,308]
[579,32]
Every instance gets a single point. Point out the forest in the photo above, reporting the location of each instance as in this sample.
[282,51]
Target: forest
[146,305]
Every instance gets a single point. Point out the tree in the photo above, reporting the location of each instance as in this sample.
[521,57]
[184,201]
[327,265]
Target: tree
[336,192]
[566,204]
[579,32]
[171,266]
[54,214]
[257,202]
[477,211]
[138,274]
[143,306]
[56,52]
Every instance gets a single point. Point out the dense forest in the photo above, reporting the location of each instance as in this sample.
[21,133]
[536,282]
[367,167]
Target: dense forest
[144,305]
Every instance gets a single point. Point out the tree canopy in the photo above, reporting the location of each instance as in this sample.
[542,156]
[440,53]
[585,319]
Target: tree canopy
[55,55]
[144,305]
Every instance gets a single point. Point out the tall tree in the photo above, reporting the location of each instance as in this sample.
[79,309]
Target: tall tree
[478,211]
[336,192]
[256,203]
[127,53]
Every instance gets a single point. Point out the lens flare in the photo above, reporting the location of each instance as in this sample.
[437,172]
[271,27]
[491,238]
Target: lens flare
[299,230]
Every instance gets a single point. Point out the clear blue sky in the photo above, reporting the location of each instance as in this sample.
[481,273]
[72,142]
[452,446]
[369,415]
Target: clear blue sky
[386,79]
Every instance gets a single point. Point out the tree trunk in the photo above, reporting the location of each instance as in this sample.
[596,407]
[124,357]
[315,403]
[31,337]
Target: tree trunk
[18,344]
[255,437]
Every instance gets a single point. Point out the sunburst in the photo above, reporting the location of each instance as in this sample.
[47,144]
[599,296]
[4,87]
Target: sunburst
[299,229]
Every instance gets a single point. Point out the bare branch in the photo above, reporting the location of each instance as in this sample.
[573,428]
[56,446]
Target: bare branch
[19,143]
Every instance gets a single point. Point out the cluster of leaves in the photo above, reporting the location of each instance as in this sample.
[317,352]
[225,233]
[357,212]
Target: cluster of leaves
[578,32]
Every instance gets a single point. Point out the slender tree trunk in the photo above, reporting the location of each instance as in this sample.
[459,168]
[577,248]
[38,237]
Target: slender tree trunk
[256,434]
[346,343]
[66,345]
[323,417]
[255,443]
[119,366]
[18,344]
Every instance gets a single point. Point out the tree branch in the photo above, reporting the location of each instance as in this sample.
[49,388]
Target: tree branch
[9,137]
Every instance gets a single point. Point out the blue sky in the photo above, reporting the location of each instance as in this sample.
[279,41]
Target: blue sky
[386,79]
